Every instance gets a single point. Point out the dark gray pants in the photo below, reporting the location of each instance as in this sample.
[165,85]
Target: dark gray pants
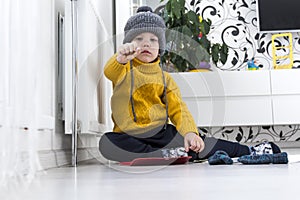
[123,147]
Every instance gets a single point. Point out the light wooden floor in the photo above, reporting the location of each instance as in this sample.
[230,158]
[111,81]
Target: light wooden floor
[92,180]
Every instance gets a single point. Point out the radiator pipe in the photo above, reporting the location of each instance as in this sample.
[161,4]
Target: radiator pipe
[74,81]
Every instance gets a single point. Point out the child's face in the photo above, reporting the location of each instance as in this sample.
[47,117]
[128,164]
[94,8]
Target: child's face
[149,45]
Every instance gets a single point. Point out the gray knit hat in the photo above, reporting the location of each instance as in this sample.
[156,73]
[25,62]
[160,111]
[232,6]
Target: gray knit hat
[146,21]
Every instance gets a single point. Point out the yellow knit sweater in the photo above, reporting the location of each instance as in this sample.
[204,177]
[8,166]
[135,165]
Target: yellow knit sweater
[148,99]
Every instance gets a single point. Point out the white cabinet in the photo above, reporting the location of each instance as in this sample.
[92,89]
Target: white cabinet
[242,98]
[286,96]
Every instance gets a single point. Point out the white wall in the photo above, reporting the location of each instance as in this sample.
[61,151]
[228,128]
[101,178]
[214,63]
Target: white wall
[29,121]
[27,92]
[53,144]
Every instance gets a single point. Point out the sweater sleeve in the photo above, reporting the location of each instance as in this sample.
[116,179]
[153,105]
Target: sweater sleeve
[114,70]
[179,114]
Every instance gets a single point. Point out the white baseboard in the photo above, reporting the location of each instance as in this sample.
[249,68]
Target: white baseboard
[56,158]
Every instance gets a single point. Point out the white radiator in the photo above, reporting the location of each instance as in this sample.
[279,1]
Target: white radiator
[95,48]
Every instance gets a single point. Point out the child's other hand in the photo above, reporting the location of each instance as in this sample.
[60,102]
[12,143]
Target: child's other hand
[194,142]
[127,52]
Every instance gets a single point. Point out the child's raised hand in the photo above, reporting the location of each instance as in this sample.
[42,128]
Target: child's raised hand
[127,52]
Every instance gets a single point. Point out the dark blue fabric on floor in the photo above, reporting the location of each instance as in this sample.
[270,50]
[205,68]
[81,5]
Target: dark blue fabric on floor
[220,158]
[278,158]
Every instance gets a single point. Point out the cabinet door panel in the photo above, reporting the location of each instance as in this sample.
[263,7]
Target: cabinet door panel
[285,81]
[286,109]
[227,98]
[231,111]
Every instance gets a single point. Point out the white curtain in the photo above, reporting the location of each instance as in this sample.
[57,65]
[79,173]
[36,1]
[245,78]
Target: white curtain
[21,25]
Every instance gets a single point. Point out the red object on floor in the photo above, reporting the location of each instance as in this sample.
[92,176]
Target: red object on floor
[157,161]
